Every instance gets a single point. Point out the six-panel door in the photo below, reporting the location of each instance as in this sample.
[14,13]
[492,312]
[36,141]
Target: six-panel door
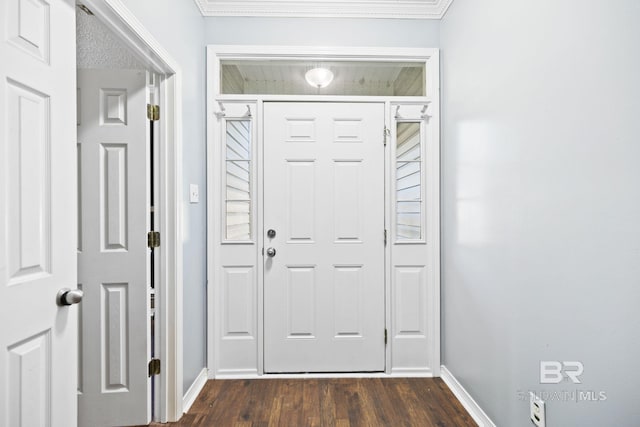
[38,338]
[113,258]
[324,197]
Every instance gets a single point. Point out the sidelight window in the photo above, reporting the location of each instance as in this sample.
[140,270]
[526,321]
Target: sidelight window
[409,191]
[238,180]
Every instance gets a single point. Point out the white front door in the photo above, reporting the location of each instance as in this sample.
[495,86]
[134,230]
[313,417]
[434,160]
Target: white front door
[113,258]
[324,198]
[38,338]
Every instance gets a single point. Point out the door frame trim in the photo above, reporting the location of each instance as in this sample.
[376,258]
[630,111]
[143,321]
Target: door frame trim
[215,101]
[124,24]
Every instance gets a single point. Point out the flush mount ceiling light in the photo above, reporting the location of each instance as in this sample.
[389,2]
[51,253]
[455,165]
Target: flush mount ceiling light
[319,77]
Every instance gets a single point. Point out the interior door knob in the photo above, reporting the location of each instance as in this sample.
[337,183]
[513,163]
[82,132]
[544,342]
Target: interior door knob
[68,297]
[271,252]
[271,233]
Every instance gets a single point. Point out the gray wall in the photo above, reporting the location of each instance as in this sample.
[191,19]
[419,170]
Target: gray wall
[323,32]
[541,203]
[179,28]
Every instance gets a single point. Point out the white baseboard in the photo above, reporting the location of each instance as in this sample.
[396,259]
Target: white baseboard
[234,374]
[465,399]
[195,389]
[412,372]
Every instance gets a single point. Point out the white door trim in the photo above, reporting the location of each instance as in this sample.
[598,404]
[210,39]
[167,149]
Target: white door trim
[215,106]
[115,15]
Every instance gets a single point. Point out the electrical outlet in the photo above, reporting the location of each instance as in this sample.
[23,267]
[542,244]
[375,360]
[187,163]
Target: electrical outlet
[194,193]
[537,411]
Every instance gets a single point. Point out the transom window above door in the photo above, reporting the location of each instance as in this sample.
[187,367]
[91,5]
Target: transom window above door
[318,77]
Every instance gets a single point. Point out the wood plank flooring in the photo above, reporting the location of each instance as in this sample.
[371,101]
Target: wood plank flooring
[342,402]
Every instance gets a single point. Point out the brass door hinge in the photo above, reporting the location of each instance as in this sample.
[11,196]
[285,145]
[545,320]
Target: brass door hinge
[385,336]
[154,367]
[153,239]
[153,112]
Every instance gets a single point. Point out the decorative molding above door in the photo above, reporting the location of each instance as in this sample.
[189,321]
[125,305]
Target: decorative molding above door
[403,9]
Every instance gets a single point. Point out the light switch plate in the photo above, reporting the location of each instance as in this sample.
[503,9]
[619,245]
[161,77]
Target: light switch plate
[194,193]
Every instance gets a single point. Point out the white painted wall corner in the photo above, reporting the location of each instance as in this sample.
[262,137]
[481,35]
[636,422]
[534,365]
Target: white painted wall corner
[472,407]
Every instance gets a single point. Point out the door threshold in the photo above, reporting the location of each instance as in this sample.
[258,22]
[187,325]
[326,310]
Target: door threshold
[328,375]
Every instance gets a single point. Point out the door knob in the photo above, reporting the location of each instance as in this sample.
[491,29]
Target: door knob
[271,252]
[271,233]
[68,297]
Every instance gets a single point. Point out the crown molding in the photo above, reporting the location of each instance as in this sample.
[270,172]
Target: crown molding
[403,9]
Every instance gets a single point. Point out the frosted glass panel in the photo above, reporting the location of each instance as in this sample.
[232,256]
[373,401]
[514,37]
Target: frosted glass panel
[238,179]
[408,181]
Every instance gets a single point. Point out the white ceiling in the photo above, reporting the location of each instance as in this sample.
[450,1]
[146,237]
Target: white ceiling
[405,9]
[98,47]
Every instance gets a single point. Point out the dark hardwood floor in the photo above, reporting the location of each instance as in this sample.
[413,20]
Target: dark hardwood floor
[340,402]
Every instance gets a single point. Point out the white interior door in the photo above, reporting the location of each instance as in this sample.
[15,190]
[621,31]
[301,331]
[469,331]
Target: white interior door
[324,197]
[113,258]
[38,338]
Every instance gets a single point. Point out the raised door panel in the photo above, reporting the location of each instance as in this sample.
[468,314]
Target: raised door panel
[113,107]
[29,383]
[347,201]
[238,315]
[410,329]
[301,200]
[115,337]
[347,301]
[113,190]
[79,193]
[301,302]
[29,27]
[409,301]
[28,183]
[300,130]
[239,302]
[347,130]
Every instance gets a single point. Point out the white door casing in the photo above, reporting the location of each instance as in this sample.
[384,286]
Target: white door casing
[38,339]
[113,258]
[168,210]
[236,279]
[324,196]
